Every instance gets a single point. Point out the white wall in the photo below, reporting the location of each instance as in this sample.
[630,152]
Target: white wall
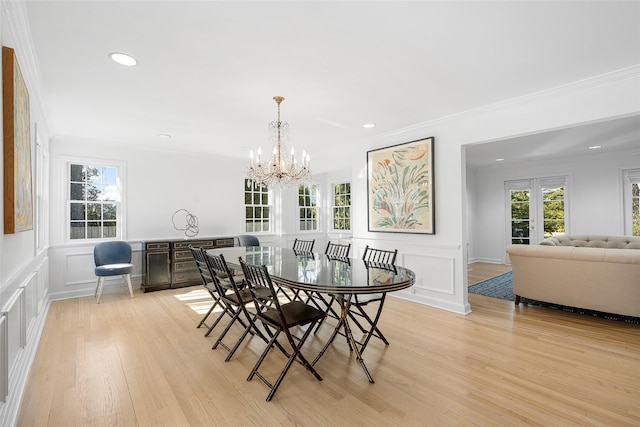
[156,185]
[440,260]
[594,197]
[23,263]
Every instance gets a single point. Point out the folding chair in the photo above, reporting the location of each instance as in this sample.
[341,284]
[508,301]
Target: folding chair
[303,245]
[334,251]
[234,302]
[277,319]
[380,259]
[207,281]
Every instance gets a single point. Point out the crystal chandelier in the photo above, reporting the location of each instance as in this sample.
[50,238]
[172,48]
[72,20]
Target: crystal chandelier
[278,169]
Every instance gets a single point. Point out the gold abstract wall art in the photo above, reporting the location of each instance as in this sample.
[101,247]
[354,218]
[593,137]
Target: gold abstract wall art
[18,195]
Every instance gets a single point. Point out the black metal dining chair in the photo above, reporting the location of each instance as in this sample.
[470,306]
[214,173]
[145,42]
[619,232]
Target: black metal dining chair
[278,319]
[337,250]
[303,245]
[334,251]
[207,282]
[378,258]
[234,302]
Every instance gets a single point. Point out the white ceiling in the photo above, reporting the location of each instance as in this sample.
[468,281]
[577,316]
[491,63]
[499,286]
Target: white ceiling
[207,70]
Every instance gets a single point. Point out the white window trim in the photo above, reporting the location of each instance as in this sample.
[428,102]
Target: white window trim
[271,205]
[629,176]
[120,204]
[318,207]
[330,226]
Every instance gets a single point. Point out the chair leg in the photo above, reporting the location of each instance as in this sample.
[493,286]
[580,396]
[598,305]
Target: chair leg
[128,279]
[95,294]
[374,331]
[100,288]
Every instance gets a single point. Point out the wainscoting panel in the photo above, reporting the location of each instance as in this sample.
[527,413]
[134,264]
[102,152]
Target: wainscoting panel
[22,318]
[14,311]
[78,268]
[30,303]
[4,362]
[433,273]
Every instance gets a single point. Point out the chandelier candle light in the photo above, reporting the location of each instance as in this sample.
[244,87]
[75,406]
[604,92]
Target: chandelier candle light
[278,169]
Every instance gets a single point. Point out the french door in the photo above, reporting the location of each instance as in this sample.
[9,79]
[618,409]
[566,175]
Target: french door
[536,209]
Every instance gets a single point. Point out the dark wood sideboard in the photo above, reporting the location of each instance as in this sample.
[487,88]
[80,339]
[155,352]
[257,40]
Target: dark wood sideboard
[169,263]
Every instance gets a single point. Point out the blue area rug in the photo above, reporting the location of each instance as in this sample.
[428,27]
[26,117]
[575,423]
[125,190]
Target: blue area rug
[501,286]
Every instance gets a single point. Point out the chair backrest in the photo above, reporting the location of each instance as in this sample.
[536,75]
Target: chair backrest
[337,250]
[112,252]
[303,245]
[256,277]
[201,263]
[379,255]
[248,240]
[218,267]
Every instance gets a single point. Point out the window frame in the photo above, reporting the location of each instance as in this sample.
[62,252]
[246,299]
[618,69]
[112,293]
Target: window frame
[120,168]
[333,207]
[630,177]
[315,207]
[269,204]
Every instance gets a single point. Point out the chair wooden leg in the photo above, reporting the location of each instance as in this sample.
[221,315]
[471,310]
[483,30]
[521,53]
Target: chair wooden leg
[95,294]
[128,279]
[100,288]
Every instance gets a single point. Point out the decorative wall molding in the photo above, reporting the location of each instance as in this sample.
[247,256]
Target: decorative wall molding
[632,72]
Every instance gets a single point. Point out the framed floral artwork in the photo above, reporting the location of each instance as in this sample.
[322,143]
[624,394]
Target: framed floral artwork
[400,188]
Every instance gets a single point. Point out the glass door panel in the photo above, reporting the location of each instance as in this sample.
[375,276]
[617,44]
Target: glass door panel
[520,217]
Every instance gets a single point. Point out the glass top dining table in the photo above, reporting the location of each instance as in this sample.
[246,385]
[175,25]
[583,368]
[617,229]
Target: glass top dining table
[317,272]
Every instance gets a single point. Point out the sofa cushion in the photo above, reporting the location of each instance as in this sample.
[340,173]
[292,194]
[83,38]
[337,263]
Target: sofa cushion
[593,241]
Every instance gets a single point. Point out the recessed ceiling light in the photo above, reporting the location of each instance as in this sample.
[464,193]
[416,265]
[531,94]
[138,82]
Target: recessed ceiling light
[369,125]
[595,147]
[499,160]
[123,59]
[163,135]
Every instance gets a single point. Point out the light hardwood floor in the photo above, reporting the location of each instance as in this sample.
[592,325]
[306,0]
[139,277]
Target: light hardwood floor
[142,362]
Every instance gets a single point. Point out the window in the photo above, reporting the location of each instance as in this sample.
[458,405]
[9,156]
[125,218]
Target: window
[308,204]
[94,201]
[532,202]
[632,201]
[257,207]
[341,210]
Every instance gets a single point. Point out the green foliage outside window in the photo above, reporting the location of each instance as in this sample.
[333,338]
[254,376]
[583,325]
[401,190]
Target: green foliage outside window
[93,194]
[342,206]
[308,204]
[635,208]
[553,211]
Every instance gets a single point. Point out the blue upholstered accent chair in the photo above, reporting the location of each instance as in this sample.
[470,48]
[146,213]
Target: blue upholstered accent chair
[112,258]
[248,240]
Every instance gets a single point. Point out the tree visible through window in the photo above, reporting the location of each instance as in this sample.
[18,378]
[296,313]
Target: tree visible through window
[635,210]
[257,207]
[553,211]
[341,206]
[94,195]
[632,201]
[308,204]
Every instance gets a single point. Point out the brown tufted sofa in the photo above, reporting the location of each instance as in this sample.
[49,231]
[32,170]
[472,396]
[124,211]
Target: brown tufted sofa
[587,271]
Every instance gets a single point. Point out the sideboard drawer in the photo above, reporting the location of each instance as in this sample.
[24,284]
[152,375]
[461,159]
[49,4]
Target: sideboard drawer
[170,264]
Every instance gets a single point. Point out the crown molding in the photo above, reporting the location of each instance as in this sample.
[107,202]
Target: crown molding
[628,73]
[15,15]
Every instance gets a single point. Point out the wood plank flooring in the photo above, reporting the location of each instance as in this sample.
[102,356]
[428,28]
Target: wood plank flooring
[142,362]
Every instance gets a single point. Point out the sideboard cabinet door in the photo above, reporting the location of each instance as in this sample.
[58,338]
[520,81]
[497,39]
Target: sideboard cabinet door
[157,266]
